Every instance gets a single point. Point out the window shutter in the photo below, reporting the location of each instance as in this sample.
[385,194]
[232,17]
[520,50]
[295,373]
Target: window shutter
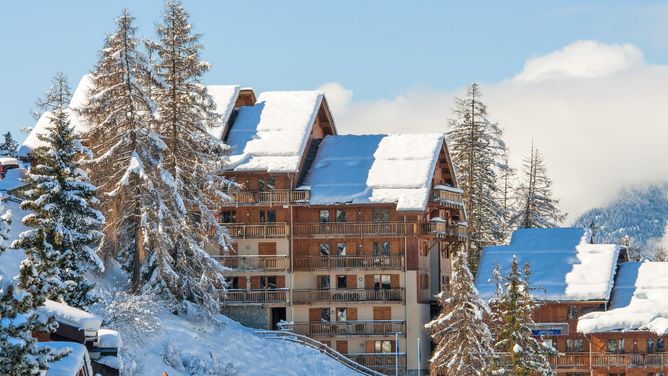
[394,281]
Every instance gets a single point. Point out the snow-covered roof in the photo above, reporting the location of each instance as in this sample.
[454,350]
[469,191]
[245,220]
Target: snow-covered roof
[108,338]
[639,301]
[360,169]
[564,266]
[272,135]
[79,99]
[13,179]
[70,315]
[72,363]
[225,97]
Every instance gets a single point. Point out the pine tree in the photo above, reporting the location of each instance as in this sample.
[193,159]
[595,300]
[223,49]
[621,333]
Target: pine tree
[128,150]
[9,145]
[535,205]
[463,340]
[64,224]
[19,354]
[526,355]
[194,162]
[478,152]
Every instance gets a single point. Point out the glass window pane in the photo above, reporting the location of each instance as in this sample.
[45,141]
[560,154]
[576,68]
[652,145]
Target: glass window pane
[341,281]
[386,281]
[324,281]
[324,314]
[271,216]
[660,345]
[340,215]
[341,249]
[341,314]
[386,248]
[324,249]
[387,347]
[324,216]
[612,346]
[376,249]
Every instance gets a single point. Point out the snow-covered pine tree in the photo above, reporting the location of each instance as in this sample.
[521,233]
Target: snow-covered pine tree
[19,354]
[194,162]
[478,152]
[463,340]
[128,150]
[9,145]
[61,244]
[535,205]
[526,356]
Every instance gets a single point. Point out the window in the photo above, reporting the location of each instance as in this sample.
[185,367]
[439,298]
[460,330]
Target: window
[323,281]
[341,314]
[383,346]
[341,249]
[381,248]
[324,216]
[228,216]
[268,184]
[324,315]
[341,282]
[572,312]
[574,345]
[655,345]
[616,346]
[324,249]
[660,345]
[381,215]
[268,282]
[340,215]
[267,216]
[548,343]
[233,283]
[381,281]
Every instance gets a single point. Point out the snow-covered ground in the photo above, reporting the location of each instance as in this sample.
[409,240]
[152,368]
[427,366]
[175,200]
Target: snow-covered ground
[193,344]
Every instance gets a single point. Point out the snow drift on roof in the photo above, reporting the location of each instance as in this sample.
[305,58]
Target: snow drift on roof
[72,363]
[70,315]
[272,134]
[564,265]
[639,301]
[225,97]
[361,169]
[79,99]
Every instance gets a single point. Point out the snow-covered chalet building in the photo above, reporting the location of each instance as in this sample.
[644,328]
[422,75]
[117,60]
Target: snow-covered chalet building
[347,237]
[605,316]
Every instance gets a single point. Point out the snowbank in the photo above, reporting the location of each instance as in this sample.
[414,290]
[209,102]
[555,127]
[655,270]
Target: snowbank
[375,169]
[70,315]
[639,301]
[272,134]
[564,266]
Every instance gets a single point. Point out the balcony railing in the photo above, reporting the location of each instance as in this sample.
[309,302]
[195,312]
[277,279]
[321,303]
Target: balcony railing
[340,229]
[582,361]
[361,327]
[241,296]
[254,263]
[383,362]
[447,198]
[348,295]
[263,231]
[348,262]
[443,230]
[269,198]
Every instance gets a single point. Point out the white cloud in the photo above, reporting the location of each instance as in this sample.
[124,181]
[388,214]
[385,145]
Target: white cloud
[582,59]
[598,132]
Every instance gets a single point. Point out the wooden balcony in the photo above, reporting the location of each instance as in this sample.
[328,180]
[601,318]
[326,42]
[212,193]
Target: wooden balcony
[263,231]
[253,263]
[447,198]
[345,229]
[242,296]
[306,263]
[266,198]
[443,230]
[381,362]
[348,295]
[345,328]
[579,362]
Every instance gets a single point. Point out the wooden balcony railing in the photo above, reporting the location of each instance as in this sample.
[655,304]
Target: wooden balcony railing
[270,198]
[241,296]
[348,262]
[447,198]
[383,362]
[348,295]
[263,231]
[253,263]
[582,361]
[340,229]
[443,230]
[359,327]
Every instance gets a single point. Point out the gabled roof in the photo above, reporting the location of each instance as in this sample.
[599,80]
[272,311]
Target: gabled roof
[639,301]
[272,135]
[564,266]
[361,169]
[79,99]
[225,97]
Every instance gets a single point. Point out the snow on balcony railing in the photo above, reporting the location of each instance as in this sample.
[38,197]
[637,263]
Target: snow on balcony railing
[451,197]
[334,229]
[348,262]
[351,327]
[262,231]
[348,295]
[442,229]
[233,296]
[254,262]
[270,198]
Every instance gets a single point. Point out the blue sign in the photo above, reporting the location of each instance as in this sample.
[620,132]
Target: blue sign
[546,332]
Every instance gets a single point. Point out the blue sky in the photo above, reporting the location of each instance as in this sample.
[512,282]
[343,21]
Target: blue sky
[377,49]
